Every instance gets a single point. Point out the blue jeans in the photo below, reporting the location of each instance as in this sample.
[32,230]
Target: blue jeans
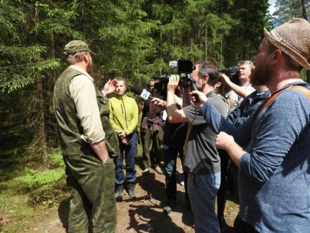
[130,152]
[202,191]
[170,159]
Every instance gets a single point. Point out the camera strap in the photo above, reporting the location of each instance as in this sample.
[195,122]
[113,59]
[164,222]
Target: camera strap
[274,95]
[269,100]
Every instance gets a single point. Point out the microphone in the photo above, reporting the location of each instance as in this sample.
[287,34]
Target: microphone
[144,94]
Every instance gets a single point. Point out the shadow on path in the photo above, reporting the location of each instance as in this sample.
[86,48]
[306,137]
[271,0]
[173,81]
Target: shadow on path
[63,212]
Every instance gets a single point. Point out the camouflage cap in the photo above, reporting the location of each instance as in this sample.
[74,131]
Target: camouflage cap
[76,46]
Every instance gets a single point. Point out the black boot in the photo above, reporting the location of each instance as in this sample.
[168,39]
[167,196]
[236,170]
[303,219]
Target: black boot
[131,190]
[169,206]
[119,192]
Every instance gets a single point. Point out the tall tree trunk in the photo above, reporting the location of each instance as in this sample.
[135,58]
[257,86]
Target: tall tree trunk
[83,21]
[206,43]
[42,135]
[52,43]
[221,54]
[304,10]
[304,15]
[41,112]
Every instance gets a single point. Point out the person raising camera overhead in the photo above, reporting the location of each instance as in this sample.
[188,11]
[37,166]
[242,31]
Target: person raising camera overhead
[239,92]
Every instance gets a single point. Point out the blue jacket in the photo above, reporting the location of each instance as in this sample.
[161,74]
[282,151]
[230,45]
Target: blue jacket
[247,107]
[274,179]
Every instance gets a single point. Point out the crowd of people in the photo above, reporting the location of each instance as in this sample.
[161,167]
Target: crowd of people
[259,144]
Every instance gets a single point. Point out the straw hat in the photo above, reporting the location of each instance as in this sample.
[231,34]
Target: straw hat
[292,38]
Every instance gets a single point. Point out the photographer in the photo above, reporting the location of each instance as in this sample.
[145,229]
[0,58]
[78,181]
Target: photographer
[272,147]
[238,93]
[151,131]
[174,138]
[202,160]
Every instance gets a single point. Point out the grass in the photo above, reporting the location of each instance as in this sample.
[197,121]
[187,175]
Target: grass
[13,203]
[20,206]
[20,203]
[31,209]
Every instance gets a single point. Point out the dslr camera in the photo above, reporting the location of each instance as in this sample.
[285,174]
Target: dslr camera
[184,69]
[232,72]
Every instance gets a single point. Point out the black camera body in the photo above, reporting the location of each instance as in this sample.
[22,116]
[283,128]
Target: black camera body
[182,66]
[232,72]
[184,69]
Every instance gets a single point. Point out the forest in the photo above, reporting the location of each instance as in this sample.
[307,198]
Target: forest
[135,39]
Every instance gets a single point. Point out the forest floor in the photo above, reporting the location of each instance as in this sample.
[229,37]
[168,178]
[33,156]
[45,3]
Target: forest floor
[145,214]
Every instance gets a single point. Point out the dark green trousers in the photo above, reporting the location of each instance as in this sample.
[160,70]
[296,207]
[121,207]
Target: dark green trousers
[156,138]
[92,206]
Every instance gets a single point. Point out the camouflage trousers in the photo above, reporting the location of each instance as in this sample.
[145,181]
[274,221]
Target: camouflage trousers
[92,205]
[152,156]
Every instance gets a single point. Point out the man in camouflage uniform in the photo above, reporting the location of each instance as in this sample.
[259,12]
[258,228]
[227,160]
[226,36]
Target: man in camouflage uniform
[88,142]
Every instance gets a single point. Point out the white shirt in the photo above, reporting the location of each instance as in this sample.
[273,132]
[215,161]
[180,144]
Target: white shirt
[83,93]
[234,96]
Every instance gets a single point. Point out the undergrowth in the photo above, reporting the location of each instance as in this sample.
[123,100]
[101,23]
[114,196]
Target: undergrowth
[45,187]
[30,193]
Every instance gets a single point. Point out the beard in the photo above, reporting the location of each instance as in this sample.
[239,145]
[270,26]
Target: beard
[261,74]
[89,68]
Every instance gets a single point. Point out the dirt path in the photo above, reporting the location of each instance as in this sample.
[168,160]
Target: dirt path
[145,214]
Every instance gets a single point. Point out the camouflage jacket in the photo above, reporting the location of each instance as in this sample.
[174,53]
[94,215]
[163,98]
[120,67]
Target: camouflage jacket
[69,126]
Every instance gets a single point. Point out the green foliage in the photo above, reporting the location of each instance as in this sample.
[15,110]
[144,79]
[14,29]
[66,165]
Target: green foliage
[15,77]
[48,195]
[135,39]
[287,9]
[44,188]
[55,20]
[127,30]
[57,160]
[34,179]
[244,37]
[303,74]
[9,18]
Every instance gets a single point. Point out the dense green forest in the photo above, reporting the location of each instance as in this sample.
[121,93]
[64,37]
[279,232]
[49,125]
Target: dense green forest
[135,39]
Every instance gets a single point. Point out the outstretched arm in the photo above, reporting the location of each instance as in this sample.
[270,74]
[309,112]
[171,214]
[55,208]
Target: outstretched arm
[174,114]
[236,88]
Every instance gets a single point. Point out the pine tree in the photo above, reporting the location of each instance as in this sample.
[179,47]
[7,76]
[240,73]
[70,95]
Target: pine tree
[287,9]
